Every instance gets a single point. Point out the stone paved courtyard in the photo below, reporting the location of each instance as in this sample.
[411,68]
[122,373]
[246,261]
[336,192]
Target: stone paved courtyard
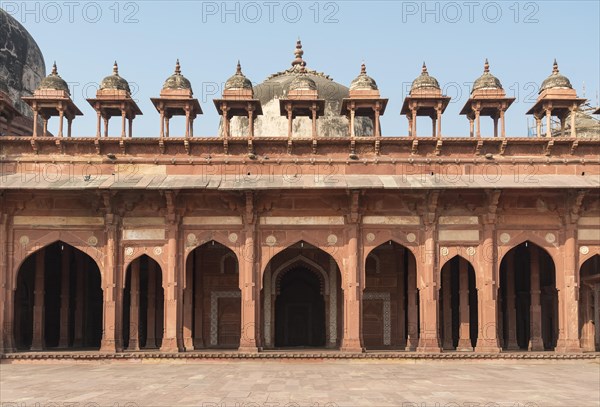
[303,383]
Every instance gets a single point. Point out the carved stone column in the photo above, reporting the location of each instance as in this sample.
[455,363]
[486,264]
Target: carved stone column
[64,297]
[511,329]
[487,275]
[38,341]
[188,309]
[568,293]
[134,307]
[400,298]
[80,276]
[596,311]
[535,332]
[446,289]
[198,302]
[412,339]
[429,340]
[112,335]
[6,287]
[352,340]
[151,312]
[172,296]
[248,275]
[464,330]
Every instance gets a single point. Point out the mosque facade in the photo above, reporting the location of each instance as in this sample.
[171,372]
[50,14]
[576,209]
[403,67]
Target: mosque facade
[300,225]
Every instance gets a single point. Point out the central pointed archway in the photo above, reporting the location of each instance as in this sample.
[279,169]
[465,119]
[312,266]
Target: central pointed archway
[302,299]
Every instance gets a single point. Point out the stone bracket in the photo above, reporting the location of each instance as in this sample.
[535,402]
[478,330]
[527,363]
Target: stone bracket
[548,148]
[415,147]
[503,146]
[438,147]
[479,146]
[574,146]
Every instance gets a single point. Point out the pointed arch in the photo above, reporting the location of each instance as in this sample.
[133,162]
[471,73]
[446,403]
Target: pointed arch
[72,238]
[528,298]
[211,297]
[307,263]
[528,237]
[458,305]
[67,311]
[270,253]
[143,303]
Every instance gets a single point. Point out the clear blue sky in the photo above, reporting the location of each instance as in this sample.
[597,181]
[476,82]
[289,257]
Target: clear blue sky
[521,39]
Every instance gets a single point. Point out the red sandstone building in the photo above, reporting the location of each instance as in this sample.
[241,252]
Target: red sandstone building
[300,225]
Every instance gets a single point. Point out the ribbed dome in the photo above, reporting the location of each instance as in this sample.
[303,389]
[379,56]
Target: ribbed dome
[556,80]
[238,80]
[177,80]
[22,66]
[114,81]
[276,87]
[54,82]
[302,82]
[363,81]
[424,80]
[487,80]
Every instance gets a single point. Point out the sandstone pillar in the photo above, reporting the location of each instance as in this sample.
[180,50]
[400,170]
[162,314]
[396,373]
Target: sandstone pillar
[464,330]
[248,269]
[412,338]
[568,293]
[6,288]
[429,340]
[171,290]
[535,331]
[401,272]
[198,302]
[596,311]
[80,276]
[63,341]
[134,306]
[447,342]
[352,340]
[151,312]
[511,320]
[188,311]
[112,335]
[37,342]
[489,324]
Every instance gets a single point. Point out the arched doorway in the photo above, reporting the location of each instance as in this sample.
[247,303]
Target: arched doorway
[589,309]
[390,299]
[528,299]
[302,299]
[212,298]
[458,305]
[143,305]
[58,301]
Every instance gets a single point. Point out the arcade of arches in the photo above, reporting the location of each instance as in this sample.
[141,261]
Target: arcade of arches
[302,303]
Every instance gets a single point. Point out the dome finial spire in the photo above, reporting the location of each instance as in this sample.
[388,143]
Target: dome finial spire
[238,69]
[424,69]
[177,67]
[116,69]
[298,53]
[54,69]
[486,66]
[555,67]
[363,69]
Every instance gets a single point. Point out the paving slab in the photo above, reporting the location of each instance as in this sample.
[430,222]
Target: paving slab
[329,383]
